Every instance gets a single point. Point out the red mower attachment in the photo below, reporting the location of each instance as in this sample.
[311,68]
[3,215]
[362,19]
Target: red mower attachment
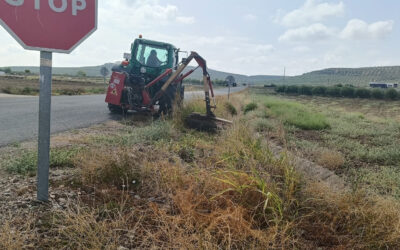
[115,87]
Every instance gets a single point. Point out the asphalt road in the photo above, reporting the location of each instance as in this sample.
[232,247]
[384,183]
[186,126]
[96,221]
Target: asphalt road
[19,115]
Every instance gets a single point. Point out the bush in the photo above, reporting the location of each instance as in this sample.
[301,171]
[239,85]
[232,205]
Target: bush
[250,107]
[280,89]
[391,94]
[319,90]
[377,94]
[305,90]
[333,91]
[292,89]
[347,92]
[363,93]
[230,108]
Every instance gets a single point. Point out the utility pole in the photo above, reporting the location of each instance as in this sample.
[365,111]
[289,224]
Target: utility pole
[284,73]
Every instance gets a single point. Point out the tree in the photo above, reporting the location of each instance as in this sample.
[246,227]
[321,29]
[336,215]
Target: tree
[27,71]
[319,90]
[280,89]
[292,89]
[347,92]
[378,94]
[391,94]
[81,73]
[305,90]
[7,70]
[363,93]
[333,91]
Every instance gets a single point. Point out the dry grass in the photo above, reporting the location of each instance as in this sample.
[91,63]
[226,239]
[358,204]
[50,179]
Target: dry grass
[197,191]
[330,159]
[355,221]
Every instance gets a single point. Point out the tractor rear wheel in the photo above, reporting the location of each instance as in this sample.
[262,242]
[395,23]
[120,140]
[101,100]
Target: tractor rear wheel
[115,109]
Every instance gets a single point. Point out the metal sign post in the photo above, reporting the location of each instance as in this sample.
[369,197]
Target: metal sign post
[44,126]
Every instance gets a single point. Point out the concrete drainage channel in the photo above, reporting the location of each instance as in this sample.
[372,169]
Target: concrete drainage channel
[312,171]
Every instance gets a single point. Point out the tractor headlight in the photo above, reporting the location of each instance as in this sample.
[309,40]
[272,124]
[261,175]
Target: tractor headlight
[143,70]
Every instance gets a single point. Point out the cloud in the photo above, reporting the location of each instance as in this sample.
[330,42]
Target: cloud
[185,20]
[301,49]
[310,12]
[250,17]
[313,32]
[358,29]
[143,13]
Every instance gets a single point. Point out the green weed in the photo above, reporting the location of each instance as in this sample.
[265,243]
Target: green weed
[250,107]
[296,114]
[26,164]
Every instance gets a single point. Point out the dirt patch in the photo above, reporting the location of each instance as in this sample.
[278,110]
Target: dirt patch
[309,135]
[2,95]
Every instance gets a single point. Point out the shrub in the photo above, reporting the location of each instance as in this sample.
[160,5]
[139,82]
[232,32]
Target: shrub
[262,125]
[292,89]
[391,94]
[333,91]
[347,92]
[305,90]
[363,93]
[377,94]
[280,89]
[250,107]
[230,108]
[331,159]
[319,90]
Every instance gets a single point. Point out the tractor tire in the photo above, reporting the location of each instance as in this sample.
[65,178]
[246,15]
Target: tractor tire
[115,109]
[168,100]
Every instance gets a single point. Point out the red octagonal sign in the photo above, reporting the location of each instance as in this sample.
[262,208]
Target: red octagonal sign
[49,25]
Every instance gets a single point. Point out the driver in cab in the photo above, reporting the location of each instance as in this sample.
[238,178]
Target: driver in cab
[152,60]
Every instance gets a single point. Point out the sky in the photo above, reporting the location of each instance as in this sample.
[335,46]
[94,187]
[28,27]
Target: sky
[251,37]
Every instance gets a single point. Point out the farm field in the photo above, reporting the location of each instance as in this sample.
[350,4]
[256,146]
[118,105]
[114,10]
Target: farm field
[61,85]
[138,183]
[356,138]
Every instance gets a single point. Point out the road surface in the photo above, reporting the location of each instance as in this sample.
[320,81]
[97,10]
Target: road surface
[19,115]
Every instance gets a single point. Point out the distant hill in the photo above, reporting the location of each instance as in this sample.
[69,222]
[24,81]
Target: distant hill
[353,76]
[95,72]
[90,71]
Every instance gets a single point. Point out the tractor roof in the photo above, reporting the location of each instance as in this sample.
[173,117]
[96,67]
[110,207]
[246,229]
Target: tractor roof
[156,43]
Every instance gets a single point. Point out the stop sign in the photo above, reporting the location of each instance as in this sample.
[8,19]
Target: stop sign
[49,25]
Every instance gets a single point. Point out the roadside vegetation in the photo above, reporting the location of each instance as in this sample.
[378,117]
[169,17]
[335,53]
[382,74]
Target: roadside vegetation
[29,85]
[145,184]
[359,142]
[347,91]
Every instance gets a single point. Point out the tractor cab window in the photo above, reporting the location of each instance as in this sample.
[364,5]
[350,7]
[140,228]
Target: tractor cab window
[152,56]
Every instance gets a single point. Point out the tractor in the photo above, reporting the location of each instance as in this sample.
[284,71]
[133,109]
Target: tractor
[150,80]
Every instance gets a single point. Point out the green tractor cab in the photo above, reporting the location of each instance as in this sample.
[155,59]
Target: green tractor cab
[152,58]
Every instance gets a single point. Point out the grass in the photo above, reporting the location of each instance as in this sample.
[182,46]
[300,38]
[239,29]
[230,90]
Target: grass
[26,164]
[250,107]
[361,143]
[296,114]
[186,189]
[29,85]
[155,132]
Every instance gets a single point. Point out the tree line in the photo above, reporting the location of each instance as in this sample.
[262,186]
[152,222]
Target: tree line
[200,82]
[339,90]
